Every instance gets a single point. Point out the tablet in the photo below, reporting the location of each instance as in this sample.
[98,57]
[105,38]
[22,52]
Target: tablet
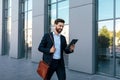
[72,42]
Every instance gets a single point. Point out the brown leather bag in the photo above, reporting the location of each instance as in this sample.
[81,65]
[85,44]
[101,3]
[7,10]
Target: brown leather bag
[43,66]
[42,69]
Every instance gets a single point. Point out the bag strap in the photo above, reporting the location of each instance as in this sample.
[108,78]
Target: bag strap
[51,38]
[52,42]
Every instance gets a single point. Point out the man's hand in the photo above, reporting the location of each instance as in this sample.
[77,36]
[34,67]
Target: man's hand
[72,47]
[52,49]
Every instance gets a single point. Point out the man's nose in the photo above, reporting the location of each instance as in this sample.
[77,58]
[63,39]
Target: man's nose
[61,27]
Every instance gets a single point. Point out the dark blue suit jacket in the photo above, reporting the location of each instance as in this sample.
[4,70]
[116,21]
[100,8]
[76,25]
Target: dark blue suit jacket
[45,45]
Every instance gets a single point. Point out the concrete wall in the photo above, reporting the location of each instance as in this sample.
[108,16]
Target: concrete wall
[1,26]
[14,29]
[37,28]
[81,27]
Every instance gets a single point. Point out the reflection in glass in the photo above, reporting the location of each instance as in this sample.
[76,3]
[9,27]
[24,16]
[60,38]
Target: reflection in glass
[6,27]
[53,13]
[59,0]
[9,7]
[25,20]
[9,26]
[63,9]
[26,5]
[105,44]
[29,19]
[117,44]
[105,9]
[65,32]
[9,12]
[6,4]
[30,38]
[28,28]
[29,4]
[59,10]
[22,7]
[109,37]
[52,1]
[9,3]
[6,13]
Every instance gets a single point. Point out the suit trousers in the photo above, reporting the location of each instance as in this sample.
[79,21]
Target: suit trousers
[56,66]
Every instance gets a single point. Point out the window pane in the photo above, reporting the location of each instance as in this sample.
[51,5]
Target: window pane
[9,12]
[52,1]
[29,4]
[22,19]
[49,15]
[117,30]
[105,45]
[22,7]
[25,34]
[117,45]
[26,21]
[30,19]
[62,0]
[108,24]
[118,8]
[53,13]
[118,25]
[9,26]
[6,4]
[65,32]
[9,3]
[26,5]
[63,11]
[105,9]
[30,37]
[5,24]
[6,13]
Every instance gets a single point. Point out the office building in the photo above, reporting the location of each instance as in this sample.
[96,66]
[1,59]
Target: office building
[96,23]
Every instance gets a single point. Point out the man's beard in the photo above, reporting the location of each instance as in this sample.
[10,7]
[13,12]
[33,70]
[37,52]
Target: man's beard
[58,30]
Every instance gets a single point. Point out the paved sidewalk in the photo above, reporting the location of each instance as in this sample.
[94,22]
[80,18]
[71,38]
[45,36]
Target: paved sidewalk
[22,69]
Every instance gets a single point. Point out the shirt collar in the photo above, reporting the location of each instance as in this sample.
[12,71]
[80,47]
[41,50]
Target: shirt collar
[55,34]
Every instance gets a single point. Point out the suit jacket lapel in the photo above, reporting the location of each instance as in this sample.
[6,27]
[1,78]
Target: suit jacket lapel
[51,34]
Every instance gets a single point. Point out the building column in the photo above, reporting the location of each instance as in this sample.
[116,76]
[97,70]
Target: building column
[14,29]
[37,27]
[82,27]
[1,8]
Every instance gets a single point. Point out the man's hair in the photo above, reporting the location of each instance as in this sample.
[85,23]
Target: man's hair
[59,20]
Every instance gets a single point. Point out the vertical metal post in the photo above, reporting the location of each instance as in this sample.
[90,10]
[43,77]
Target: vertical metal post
[46,17]
[57,9]
[114,36]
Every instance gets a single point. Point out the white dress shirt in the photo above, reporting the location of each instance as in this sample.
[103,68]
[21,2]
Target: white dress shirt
[57,44]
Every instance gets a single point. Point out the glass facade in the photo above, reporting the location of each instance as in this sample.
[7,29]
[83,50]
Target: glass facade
[59,9]
[26,21]
[108,47]
[105,7]
[6,32]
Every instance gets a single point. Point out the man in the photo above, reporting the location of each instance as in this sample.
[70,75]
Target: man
[52,45]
